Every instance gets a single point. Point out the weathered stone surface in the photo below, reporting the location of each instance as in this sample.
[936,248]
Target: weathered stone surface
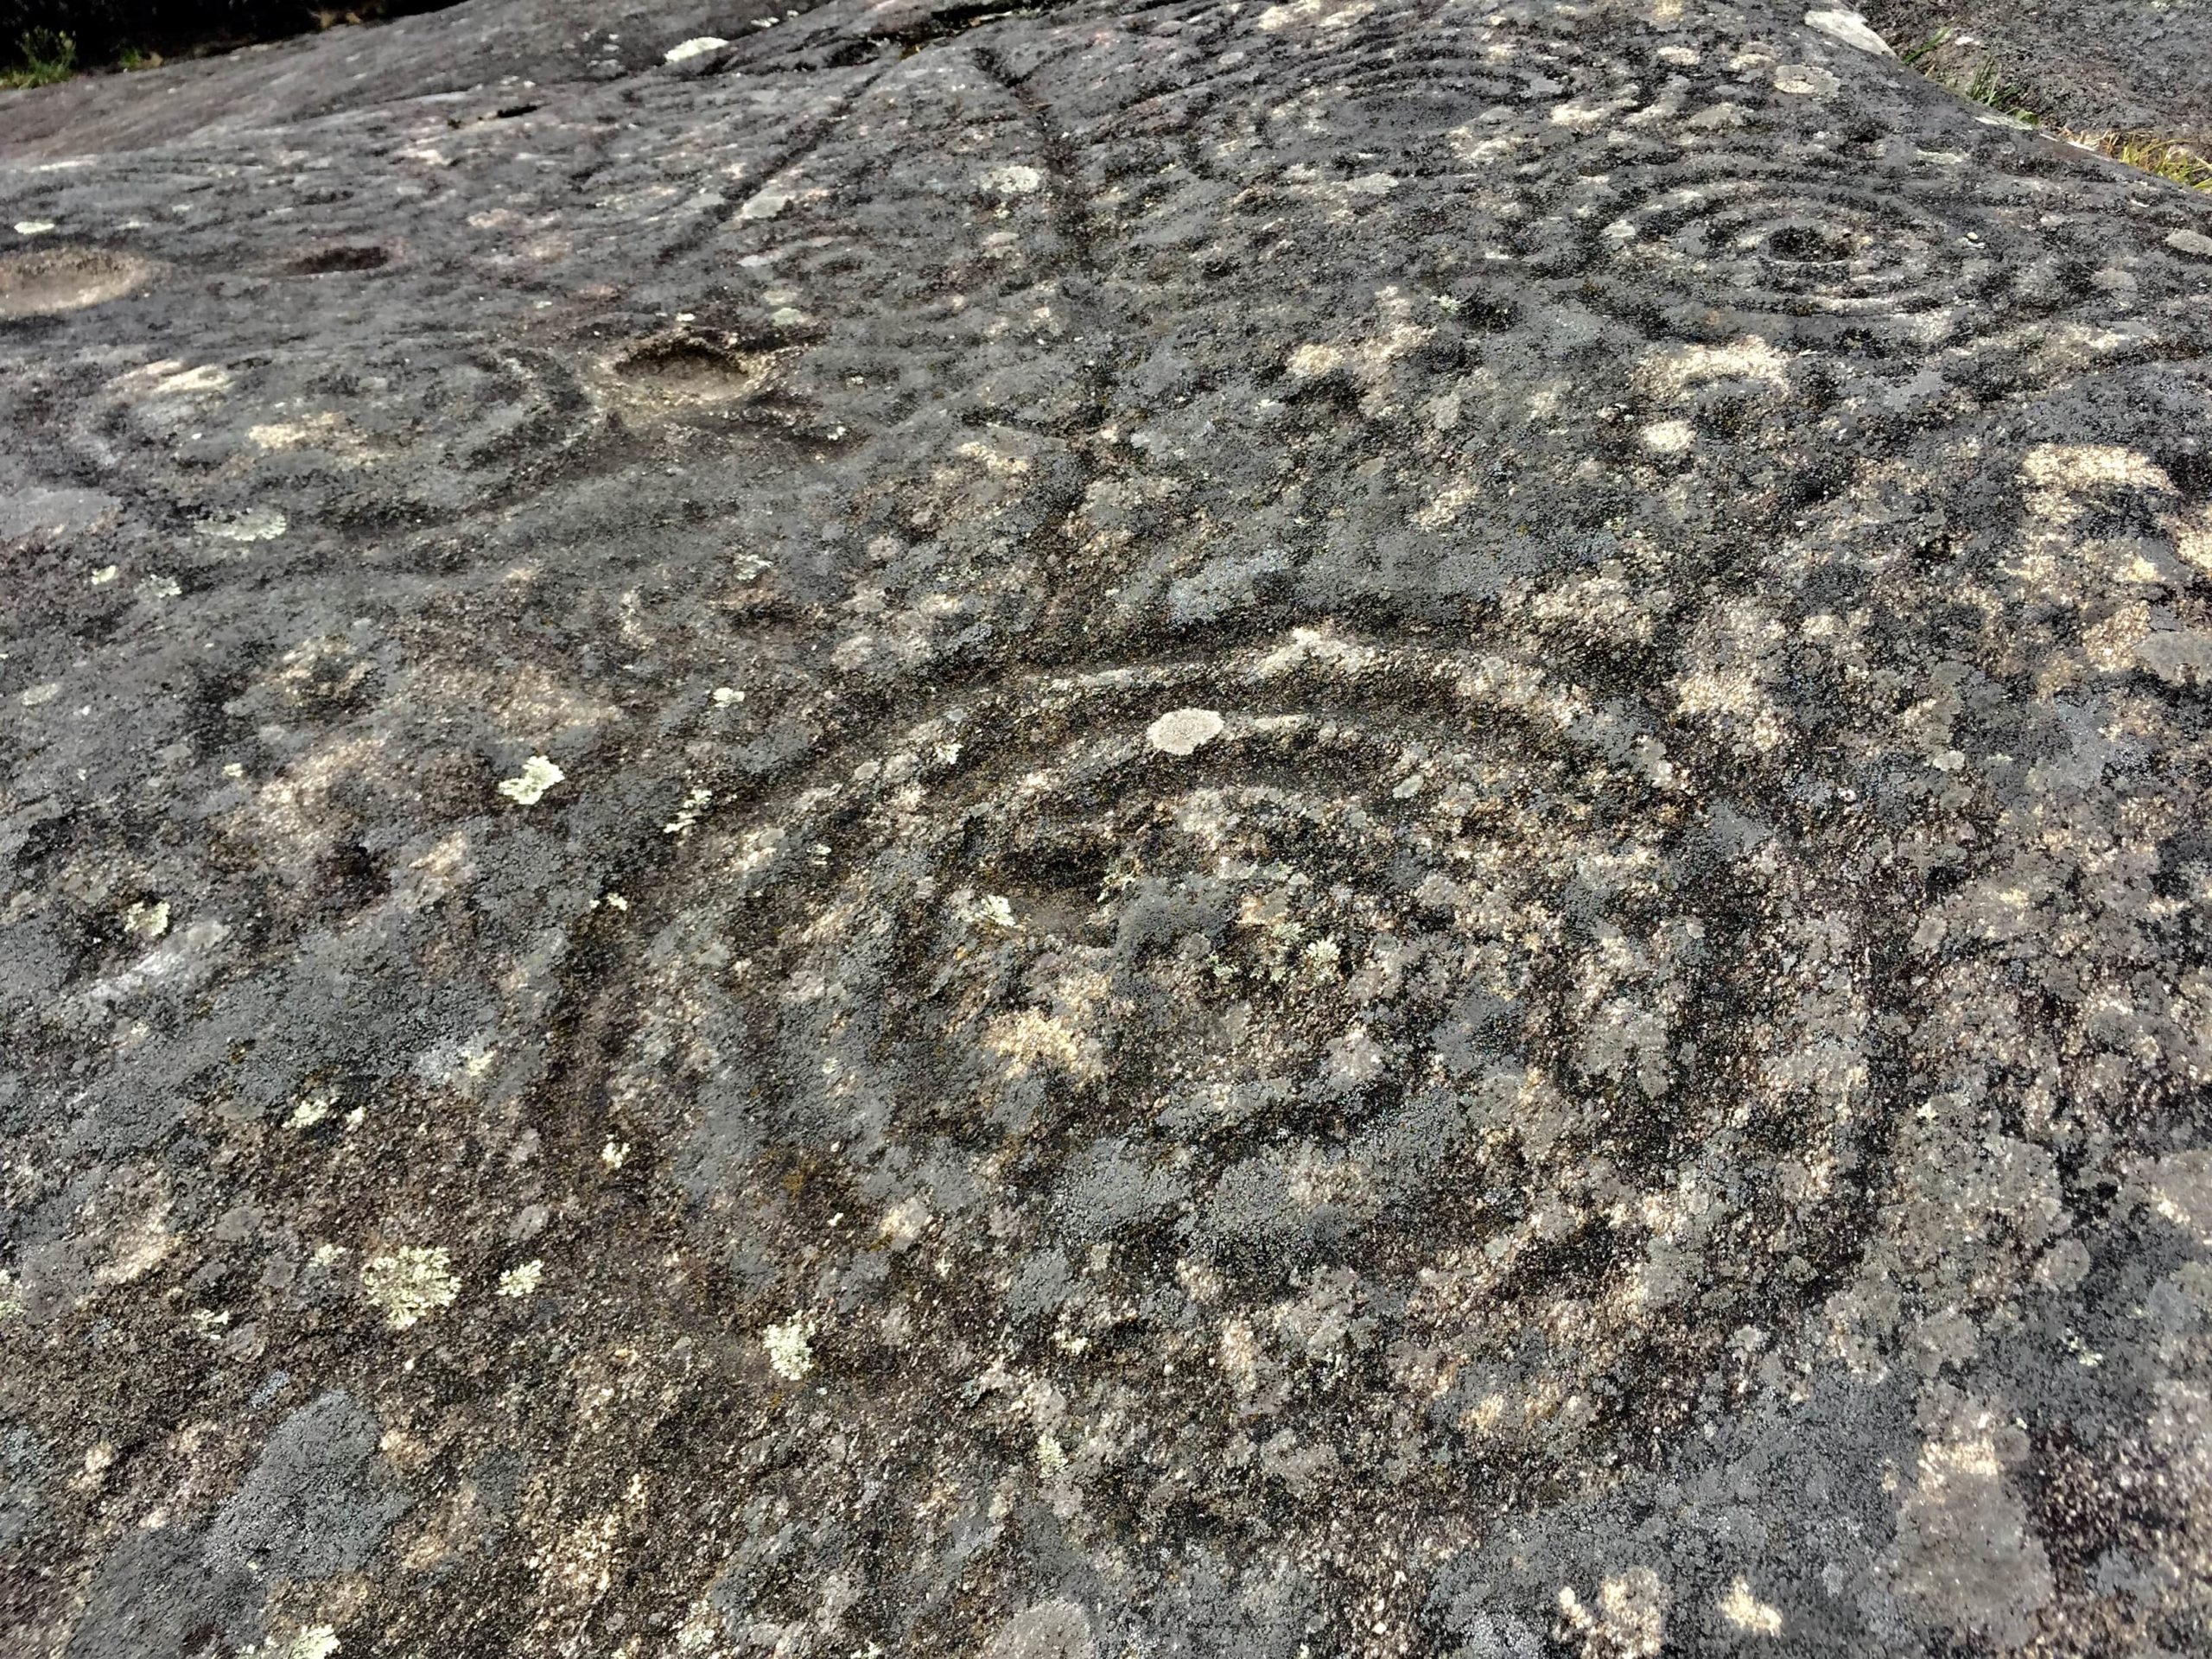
[1318,829]
[2097,65]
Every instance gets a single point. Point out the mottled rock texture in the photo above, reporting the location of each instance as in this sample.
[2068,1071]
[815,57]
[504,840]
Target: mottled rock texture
[1325,829]
[2096,66]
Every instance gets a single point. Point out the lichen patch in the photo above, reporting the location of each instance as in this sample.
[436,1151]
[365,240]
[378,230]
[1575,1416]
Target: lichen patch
[528,786]
[409,1284]
[791,1353]
[1184,731]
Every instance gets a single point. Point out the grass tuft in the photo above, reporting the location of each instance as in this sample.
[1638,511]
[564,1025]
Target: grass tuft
[1986,84]
[1989,87]
[2153,155]
[47,57]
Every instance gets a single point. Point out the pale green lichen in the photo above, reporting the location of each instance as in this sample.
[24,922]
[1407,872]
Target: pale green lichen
[312,1641]
[528,787]
[790,1354]
[147,921]
[1747,1613]
[409,1284]
[521,1281]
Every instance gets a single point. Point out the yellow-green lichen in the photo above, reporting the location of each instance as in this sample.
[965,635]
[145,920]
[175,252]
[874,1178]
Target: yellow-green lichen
[409,1284]
[790,1354]
[528,787]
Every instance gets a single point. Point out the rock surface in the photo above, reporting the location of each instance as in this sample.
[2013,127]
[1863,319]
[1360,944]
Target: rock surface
[2095,65]
[1318,828]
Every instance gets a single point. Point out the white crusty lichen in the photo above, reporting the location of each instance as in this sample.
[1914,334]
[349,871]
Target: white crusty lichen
[312,1641]
[697,47]
[1630,1619]
[528,787]
[147,921]
[1014,179]
[408,1284]
[311,1109]
[701,1628]
[1805,81]
[1032,1039]
[905,1223]
[522,1280]
[1747,1613]
[790,1355]
[1183,731]
[687,814]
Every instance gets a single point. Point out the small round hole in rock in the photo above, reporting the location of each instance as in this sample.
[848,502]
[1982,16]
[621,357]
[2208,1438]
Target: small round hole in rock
[1810,245]
[325,262]
[692,370]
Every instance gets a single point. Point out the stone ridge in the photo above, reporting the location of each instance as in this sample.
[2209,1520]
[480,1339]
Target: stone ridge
[1338,828]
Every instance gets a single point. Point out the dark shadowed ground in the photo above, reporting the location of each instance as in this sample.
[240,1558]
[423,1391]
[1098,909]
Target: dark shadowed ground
[101,33]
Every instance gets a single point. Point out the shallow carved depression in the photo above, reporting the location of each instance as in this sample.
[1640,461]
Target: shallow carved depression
[1805,246]
[67,279]
[1324,1007]
[690,371]
[339,258]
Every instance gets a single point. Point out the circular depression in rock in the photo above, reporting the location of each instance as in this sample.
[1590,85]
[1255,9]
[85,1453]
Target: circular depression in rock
[339,259]
[1418,1008]
[55,280]
[1807,243]
[690,371]
[1808,246]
